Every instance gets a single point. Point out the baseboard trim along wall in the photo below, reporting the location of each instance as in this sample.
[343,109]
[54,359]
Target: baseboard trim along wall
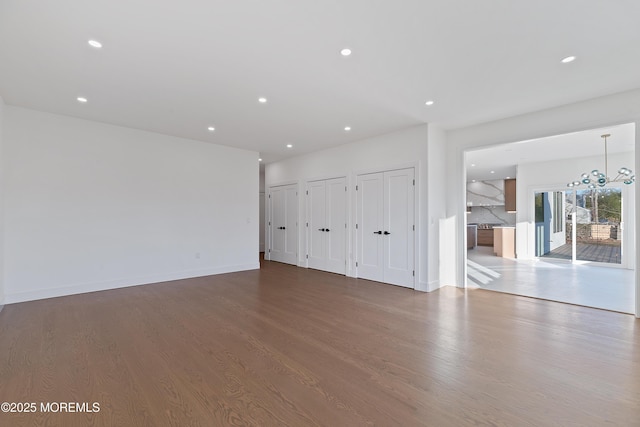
[433,285]
[121,283]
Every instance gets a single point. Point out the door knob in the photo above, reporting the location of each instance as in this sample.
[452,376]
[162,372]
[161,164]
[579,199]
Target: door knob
[326,229]
[386,233]
[321,229]
[377,232]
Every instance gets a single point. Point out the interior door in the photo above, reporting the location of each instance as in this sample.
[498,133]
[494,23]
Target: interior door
[317,224]
[336,226]
[327,214]
[284,225]
[398,232]
[370,226]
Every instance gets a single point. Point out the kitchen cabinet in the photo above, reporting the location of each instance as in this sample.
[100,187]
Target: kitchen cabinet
[510,195]
[485,237]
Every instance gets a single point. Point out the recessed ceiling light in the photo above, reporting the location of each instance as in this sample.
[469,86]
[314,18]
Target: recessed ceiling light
[428,102]
[473,164]
[262,100]
[259,160]
[95,43]
[345,52]
[493,171]
[347,128]
[289,145]
[508,177]
[81,99]
[211,128]
[473,180]
[568,59]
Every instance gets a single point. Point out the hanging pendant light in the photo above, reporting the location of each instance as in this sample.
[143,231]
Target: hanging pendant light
[600,179]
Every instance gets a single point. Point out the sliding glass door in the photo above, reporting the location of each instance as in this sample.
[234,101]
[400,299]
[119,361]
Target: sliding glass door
[598,225]
[580,225]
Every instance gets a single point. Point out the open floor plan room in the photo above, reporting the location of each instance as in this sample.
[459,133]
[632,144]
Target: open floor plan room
[288,346]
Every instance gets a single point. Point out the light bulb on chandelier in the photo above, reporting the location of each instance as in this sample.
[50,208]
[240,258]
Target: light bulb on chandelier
[600,179]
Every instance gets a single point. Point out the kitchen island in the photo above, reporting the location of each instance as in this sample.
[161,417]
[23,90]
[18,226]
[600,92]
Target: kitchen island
[504,241]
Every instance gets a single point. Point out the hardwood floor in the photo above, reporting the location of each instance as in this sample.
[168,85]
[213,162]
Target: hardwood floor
[289,346]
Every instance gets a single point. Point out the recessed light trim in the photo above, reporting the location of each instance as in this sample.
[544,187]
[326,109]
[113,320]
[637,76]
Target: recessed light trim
[211,128]
[82,99]
[347,128]
[429,103]
[345,52]
[289,146]
[568,59]
[262,100]
[95,43]
[492,172]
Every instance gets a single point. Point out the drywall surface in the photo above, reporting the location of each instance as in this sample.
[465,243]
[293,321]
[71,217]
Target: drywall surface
[90,206]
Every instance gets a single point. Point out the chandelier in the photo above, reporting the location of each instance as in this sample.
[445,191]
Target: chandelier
[600,179]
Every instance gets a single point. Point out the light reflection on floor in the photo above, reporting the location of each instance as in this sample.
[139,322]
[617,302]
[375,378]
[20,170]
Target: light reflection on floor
[557,280]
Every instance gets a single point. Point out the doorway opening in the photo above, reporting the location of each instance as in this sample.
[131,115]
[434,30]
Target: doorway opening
[567,238]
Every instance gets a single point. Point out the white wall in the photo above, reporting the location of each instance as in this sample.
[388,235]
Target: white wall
[91,206]
[433,203]
[406,148]
[262,213]
[595,113]
[554,176]
[2,168]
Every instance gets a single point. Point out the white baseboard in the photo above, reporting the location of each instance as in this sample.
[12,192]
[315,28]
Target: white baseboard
[429,286]
[434,285]
[122,283]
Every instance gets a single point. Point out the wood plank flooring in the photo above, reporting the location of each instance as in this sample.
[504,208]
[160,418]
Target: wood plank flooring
[285,346]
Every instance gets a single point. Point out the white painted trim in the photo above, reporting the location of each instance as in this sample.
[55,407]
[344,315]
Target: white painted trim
[395,167]
[431,286]
[123,283]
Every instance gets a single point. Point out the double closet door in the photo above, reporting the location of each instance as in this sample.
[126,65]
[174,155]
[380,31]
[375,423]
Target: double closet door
[283,224]
[386,227]
[327,213]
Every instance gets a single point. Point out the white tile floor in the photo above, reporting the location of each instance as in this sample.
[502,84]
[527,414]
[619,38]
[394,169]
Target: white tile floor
[558,280]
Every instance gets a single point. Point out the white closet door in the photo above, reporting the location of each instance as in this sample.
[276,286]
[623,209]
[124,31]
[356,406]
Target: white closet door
[283,228]
[335,226]
[317,224]
[370,226]
[277,220]
[398,233]
[291,224]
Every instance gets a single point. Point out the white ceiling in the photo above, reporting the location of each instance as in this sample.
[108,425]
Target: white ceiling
[502,159]
[178,67]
